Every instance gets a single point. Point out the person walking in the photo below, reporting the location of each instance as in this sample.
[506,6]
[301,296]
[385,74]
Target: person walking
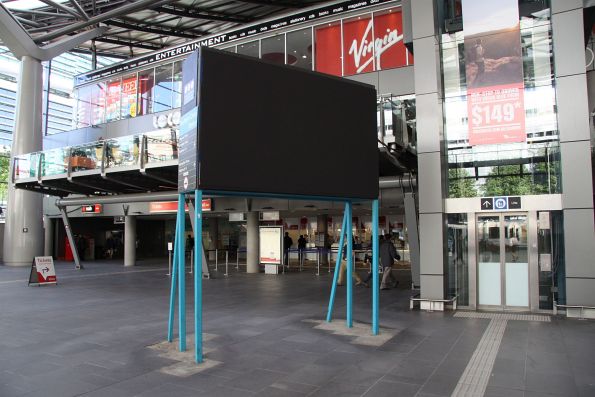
[388,255]
[287,243]
[301,248]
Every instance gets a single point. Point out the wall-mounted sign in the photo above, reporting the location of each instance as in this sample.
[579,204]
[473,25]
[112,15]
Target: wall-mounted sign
[92,209]
[157,207]
[171,119]
[118,220]
[500,203]
[278,23]
[236,217]
[269,215]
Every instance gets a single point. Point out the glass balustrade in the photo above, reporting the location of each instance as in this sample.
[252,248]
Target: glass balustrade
[161,146]
[26,166]
[54,161]
[86,157]
[124,151]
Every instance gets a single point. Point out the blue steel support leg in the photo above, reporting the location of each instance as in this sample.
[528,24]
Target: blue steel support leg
[331,301]
[174,285]
[182,271]
[198,276]
[349,276]
[375,291]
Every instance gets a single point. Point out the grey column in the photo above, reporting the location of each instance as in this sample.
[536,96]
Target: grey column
[252,242]
[129,240]
[23,235]
[573,125]
[429,99]
[322,227]
[48,240]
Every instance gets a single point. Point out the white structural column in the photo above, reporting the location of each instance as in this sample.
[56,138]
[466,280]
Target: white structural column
[252,242]
[130,240]
[48,241]
[428,98]
[23,234]
[573,124]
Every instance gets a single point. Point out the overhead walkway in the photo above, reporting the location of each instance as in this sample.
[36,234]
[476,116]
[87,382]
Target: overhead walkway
[133,164]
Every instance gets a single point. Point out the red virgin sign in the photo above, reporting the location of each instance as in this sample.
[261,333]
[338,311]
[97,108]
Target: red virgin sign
[369,44]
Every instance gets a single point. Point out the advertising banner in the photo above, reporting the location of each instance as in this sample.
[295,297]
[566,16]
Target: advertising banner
[112,102]
[494,71]
[271,244]
[129,97]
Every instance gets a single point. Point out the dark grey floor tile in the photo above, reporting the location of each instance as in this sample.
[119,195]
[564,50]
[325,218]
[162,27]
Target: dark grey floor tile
[441,385]
[168,389]
[551,383]
[355,375]
[275,392]
[334,388]
[392,389]
[412,371]
[493,391]
[255,380]
[313,374]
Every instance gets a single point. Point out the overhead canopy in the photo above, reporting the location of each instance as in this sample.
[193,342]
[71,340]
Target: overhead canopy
[141,26]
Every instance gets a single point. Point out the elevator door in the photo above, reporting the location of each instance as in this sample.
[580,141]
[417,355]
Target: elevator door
[503,265]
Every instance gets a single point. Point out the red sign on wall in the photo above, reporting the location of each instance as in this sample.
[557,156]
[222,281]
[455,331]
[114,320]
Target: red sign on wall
[172,206]
[368,44]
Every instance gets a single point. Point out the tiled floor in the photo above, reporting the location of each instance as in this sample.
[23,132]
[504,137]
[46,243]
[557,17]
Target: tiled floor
[89,335]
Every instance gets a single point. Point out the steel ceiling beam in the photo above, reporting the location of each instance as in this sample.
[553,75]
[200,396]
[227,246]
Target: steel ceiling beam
[114,13]
[27,21]
[42,13]
[79,9]
[144,46]
[154,30]
[61,7]
[203,14]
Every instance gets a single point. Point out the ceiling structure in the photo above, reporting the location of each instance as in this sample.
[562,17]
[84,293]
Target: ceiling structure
[136,27]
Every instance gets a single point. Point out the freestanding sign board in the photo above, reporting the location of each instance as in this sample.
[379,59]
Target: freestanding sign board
[271,248]
[42,271]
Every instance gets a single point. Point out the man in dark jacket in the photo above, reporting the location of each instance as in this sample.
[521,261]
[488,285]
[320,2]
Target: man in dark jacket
[388,254]
[287,243]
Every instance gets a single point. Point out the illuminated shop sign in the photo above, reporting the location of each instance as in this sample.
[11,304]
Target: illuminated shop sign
[172,206]
[92,209]
[171,119]
[306,16]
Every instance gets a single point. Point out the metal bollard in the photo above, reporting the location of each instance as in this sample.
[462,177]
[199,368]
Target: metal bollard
[216,259]
[238,260]
[191,260]
[226,264]
[169,264]
[318,262]
[330,258]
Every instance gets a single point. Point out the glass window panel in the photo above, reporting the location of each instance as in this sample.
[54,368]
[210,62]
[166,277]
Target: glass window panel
[86,157]
[123,151]
[84,109]
[177,85]
[146,82]
[230,49]
[251,49]
[458,264]
[112,103]
[129,88]
[327,47]
[163,89]
[299,48]
[273,49]
[161,146]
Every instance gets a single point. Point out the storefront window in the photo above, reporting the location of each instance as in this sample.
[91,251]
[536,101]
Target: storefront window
[328,48]
[112,102]
[163,89]
[299,48]
[550,246]
[273,49]
[457,275]
[251,49]
[397,121]
[129,85]
[83,106]
[146,83]
[177,86]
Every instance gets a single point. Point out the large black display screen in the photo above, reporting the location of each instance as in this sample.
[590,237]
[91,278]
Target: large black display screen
[278,130]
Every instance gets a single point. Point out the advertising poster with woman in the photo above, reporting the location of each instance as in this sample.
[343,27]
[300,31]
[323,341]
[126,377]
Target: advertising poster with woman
[494,71]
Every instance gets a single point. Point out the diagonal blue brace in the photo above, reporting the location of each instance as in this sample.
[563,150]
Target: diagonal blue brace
[174,285]
[349,276]
[331,302]
[375,253]
[198,276]
[181,271]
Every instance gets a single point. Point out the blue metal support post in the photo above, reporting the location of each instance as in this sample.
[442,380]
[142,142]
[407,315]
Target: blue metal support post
[198,276]
[331,301]
[349,276]
[174,285]
[181,270]
[375,253]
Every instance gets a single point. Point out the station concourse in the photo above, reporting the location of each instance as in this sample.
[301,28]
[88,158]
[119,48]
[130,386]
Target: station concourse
[473,119]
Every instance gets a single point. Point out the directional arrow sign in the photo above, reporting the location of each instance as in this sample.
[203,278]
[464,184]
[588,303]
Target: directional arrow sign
[487,203]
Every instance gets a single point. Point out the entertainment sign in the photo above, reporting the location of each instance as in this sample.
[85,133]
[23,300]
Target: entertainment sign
[187,48]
